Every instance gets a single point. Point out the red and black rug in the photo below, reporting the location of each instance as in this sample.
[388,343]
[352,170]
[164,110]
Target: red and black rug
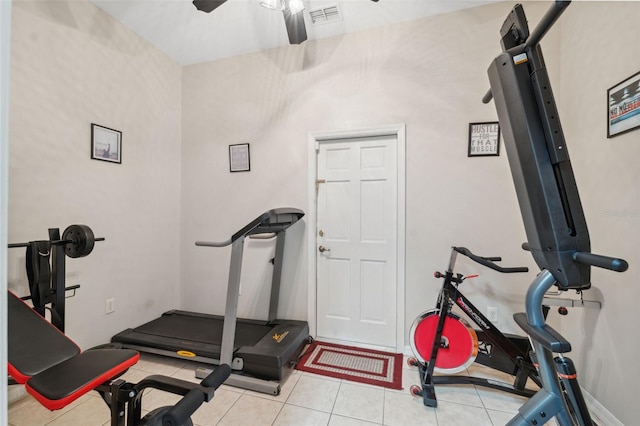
[354,364]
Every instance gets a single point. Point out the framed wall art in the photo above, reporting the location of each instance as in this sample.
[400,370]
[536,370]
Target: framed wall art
[484,139]
[106,144]
[239,160]
[623,109]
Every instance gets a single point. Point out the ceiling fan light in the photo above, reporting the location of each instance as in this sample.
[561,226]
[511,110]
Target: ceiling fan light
[269,4]
[295,6]
[208,6]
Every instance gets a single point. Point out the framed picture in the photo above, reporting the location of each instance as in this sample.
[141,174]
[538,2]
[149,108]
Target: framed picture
[239,158]
[623,109]
[106,144]
[484,139]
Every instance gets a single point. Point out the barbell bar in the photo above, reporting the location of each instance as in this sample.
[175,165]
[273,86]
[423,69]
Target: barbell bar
[78,241]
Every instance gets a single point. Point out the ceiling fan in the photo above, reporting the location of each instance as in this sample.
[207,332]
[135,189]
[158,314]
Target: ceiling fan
[291,9]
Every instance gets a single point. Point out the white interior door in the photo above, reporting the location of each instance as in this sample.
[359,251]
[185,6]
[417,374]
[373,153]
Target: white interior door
[356,241]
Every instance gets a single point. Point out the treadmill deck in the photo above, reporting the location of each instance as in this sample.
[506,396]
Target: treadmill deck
[266,348]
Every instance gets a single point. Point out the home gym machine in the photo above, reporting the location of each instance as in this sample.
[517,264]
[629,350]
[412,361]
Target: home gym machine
[554,221]
[52,367]
[56,373]
[46,268]
[443,342]
[261,353]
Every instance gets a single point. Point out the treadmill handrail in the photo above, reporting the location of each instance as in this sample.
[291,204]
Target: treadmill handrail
[270,222]
[214,243]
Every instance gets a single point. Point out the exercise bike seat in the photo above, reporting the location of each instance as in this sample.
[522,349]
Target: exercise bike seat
[52,366]
[546,335]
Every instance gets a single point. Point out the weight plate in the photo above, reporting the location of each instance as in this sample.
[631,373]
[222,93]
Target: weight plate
[81,242]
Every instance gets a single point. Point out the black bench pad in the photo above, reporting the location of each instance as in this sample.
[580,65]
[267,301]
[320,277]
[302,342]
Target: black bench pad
[51,365]
[33,343]
[63,383]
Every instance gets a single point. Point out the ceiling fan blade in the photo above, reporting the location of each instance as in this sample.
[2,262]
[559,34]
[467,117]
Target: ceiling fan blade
[296,29]
[208,5]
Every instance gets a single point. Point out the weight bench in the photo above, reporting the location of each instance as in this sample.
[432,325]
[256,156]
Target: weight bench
[50,365]
[56,372]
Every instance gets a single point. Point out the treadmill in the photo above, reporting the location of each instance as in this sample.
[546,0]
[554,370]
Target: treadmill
[260,353]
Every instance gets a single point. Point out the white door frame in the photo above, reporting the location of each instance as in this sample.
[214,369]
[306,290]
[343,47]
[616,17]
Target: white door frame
[5,49]
[397,130]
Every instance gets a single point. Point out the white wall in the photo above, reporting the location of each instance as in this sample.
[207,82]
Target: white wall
[73,65]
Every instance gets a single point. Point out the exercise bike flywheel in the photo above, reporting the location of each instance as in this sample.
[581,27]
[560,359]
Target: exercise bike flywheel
[458,344]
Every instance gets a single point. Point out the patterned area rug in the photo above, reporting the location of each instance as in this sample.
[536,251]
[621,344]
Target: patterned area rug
[354,364]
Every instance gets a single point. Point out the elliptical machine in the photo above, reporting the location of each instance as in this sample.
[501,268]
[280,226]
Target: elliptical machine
[556,229]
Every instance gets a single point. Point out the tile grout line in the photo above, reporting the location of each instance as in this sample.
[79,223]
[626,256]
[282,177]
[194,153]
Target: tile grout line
[285,401]
[230,407]
[333,406]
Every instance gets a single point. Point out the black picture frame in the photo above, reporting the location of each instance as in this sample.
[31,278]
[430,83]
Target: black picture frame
[623,106]
[484,139]
[106,144]
[239,158]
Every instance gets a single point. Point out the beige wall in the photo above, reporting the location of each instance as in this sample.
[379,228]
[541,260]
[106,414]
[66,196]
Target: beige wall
[429,74]
[73,65]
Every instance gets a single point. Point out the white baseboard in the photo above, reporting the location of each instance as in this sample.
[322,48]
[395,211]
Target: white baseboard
[15,393]
[408,351]
[601,415]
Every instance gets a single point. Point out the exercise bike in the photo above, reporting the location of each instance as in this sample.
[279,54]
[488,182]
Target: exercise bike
[445,343]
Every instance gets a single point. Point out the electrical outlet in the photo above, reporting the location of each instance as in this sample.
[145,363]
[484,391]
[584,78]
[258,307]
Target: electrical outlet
[492,314]
[109,306]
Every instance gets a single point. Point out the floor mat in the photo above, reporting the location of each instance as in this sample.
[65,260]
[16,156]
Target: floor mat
[354,364]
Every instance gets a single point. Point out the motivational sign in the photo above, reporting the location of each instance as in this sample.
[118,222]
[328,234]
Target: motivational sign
[484,139]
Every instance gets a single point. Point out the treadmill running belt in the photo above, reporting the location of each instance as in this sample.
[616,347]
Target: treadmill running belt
[203,330]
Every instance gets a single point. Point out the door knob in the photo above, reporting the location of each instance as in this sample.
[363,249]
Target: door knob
[322,249]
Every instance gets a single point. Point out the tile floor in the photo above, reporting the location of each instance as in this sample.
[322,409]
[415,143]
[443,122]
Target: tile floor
[306,399]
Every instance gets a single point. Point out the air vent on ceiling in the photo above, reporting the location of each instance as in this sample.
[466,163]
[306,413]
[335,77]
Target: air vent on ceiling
[325,15]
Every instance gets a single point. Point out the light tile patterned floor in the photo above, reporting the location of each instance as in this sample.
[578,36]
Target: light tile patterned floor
[306,399]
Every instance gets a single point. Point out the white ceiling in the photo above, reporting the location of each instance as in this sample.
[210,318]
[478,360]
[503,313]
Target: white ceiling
[190,36]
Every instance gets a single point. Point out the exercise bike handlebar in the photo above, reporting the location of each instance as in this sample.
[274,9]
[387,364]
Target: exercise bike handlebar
[184,409]
[489,261]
